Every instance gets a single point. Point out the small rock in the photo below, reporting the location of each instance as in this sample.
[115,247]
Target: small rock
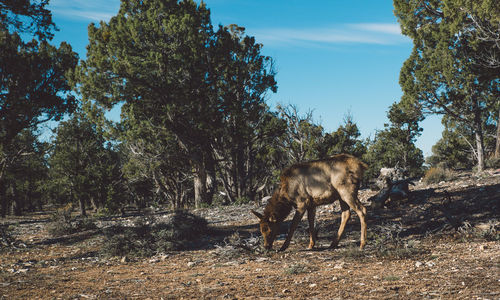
[124,259]
[154,260]
[285,291]
[339,266]
[258,270]
[22,271]
[191,264]
[313,285]
[163,257]
[482,247]
[335,278]
[430,264]
[418,264]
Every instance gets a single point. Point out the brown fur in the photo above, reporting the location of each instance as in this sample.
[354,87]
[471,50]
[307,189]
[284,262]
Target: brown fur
[304,186]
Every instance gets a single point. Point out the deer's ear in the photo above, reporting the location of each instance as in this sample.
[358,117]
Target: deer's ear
[257,214]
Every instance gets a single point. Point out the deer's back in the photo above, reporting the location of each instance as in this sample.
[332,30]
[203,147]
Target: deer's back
[319,182]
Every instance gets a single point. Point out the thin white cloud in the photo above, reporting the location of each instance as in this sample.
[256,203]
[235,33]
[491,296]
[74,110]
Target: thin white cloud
[389,28]
[362,33]
[92,10]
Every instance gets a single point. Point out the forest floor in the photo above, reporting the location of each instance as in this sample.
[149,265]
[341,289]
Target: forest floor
[442,243]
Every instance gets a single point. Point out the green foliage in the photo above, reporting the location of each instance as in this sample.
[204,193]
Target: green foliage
[388,150]
[27,16]
[446,73]
[395,145]
[147,237]
[33,89]
[296,269]
[346,139]
[203,90]
[493,163]
[25,103]
[455,149]
[83,167]
[155,159]
[437,174]
[24,174]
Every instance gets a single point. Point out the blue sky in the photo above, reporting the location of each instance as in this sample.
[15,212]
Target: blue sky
[333,57]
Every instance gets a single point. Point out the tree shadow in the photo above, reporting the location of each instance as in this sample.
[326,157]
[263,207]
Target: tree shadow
[70,239]
[428,211]
[432,211]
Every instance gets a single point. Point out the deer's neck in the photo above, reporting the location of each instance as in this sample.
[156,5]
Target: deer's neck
[278,208]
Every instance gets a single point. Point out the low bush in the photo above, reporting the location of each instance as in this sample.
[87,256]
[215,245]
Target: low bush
[235,246]
[493,163]
[7,239]
[296,269]
[63,223]
[182,230]
[467,232]
[388,243]
[437,174]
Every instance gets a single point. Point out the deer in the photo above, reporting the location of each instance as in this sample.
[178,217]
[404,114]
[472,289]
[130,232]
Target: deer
[305,186]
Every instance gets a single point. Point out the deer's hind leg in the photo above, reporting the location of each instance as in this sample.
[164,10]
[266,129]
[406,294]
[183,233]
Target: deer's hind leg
[351,198]
[346,214]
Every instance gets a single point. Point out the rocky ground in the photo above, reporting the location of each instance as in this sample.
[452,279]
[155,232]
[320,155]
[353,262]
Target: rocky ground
[442,243]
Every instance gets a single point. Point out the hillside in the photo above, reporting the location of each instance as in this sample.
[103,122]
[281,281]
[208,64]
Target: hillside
[443,243]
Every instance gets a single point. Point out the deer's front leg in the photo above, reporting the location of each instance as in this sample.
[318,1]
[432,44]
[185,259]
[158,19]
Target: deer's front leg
[295,222]
[311,214]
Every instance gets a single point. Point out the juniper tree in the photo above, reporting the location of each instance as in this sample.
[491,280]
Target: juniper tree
[33,81]
[445,73]
[164,62]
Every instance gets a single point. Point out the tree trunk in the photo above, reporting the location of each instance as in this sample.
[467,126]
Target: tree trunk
[83,212]
[478,133]
[204,180]
[17,204]
[3,199]
[480,151]
[200,191]
[94,204]
[211,183]
[497,148]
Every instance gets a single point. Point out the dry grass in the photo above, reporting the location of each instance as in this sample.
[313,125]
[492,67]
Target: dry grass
[437,174]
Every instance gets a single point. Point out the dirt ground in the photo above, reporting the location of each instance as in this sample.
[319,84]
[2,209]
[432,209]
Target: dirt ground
[441,244]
